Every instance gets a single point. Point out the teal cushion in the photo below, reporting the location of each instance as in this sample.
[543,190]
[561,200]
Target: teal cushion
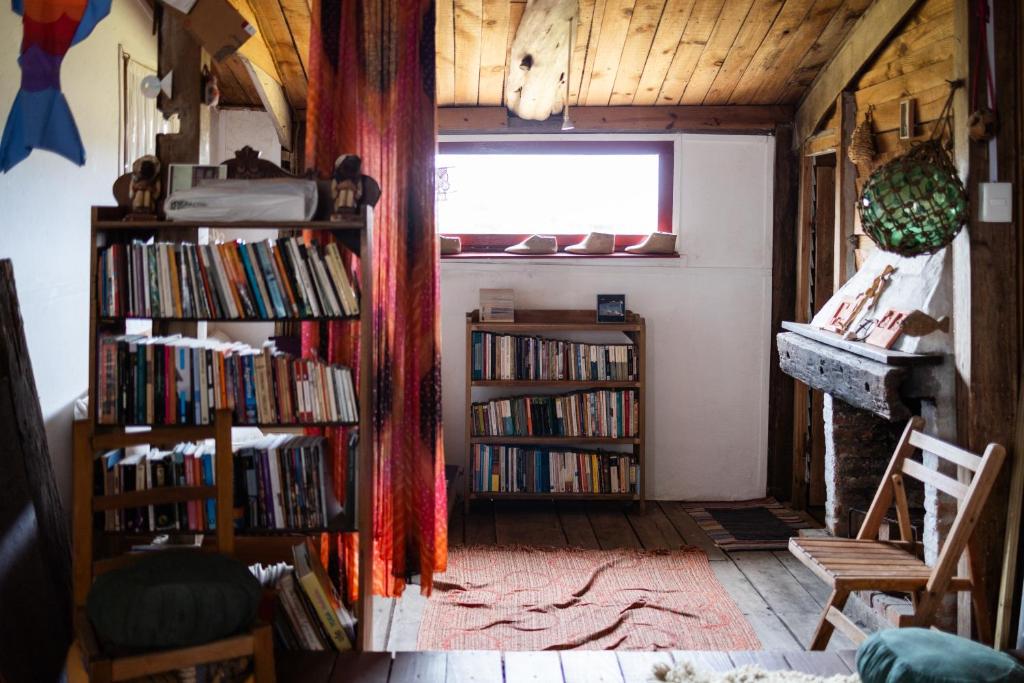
[172,599]
[917,655]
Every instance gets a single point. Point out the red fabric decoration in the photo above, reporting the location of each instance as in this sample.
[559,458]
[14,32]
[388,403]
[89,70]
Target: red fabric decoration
[371,93]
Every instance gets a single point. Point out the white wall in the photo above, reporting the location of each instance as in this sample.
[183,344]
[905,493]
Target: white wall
[708,322]
[45,204]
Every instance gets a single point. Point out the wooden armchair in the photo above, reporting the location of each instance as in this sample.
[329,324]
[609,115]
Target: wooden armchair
[99,666]
[866,563]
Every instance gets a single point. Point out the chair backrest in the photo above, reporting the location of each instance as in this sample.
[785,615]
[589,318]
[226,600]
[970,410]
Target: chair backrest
[970,496]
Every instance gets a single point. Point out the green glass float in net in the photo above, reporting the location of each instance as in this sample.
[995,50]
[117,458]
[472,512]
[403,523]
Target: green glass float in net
[915,204]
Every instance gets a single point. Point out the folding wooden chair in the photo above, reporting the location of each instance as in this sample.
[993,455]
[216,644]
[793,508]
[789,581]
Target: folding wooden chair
[866,563]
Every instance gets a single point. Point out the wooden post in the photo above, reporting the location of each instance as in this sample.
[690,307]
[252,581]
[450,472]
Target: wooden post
[224,480]
[802,314]
[367,438]
[843,265]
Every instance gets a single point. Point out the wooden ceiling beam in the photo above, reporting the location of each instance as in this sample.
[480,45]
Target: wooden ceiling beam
[255,49]
[865,39]
[654,119]
[276,33]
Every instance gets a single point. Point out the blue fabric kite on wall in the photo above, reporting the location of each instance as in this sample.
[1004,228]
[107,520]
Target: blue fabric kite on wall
[40,117]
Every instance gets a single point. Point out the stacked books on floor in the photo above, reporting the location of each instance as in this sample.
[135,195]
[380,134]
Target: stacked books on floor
[309,613]
[282,482]
[177,380]
[513,357]
[512,469]
[611,413]
[283,278]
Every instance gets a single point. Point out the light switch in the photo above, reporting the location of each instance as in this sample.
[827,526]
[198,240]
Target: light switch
[996,202]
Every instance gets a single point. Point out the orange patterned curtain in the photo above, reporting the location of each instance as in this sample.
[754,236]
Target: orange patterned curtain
[371,93]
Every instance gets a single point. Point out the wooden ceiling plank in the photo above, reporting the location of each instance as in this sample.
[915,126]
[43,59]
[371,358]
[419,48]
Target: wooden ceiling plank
[695,36]
[241,74]
[593,38]
[773,81]
[255,49]
[444,38]
[760,19]
[232,94]
[647,14]
[910,52]
[663,49]
[823,47]
[493,51]
[579,52]
[273,28]
[730,21]
[297,14]
[791,35]
[467,50]
[611,41]
[861,44]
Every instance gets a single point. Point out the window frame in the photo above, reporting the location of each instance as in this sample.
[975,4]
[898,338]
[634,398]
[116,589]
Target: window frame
[489,243]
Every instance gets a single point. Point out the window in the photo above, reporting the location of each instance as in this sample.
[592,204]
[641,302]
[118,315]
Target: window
[494,194]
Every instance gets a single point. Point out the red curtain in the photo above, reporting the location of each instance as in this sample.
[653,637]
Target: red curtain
[371,93]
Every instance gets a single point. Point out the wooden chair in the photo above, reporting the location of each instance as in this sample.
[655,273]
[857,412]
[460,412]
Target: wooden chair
[866,563]
[99,666]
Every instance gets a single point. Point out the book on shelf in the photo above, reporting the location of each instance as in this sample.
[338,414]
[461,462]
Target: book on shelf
[333,617]
[518,357]
[176,380]
[274,278]
[514,469]
[604,413]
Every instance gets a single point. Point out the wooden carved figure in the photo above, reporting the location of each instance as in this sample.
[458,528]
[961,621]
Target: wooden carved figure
[347,184]
[145,186]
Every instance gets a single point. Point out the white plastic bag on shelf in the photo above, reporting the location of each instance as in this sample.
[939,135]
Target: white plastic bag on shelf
[272,199]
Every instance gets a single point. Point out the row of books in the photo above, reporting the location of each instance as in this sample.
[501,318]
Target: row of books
[601,413]
[283,278]
[179,380]
[280,482]
[511,357]
[513,469]
[309,612]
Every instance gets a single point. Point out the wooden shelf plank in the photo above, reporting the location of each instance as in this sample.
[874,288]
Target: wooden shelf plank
[557,383]
[111,218]
[114,320]
[506,495]
[554,321]
[156,496]
[512,440]
[875,353]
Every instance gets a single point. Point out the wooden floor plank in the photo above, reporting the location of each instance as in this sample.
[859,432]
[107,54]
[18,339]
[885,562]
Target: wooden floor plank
[480,524]
[817,588]
[425,667]
[473,666]
[576,525]
[532,667]
[691,531]
[590,666]
[611,526]
[301,666]
[706,661]
[654,529]
[849,658]
[770,630]
[786,597]
[636,667]
[365,667]
[406,620]
[528,523]
[383,610]
[817,663]
[769,661]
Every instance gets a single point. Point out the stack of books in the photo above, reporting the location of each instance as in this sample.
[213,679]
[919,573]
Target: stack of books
[612,413]
[513,357]
[282,482]
[178,380]
[513,469]
[282,278]
[140,469]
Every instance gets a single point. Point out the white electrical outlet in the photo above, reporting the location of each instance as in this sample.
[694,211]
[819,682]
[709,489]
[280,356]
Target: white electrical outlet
[996,203]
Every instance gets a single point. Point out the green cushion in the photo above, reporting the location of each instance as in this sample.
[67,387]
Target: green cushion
[917,655]
[173,599]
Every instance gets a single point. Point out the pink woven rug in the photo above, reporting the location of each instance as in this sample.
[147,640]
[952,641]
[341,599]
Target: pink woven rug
[517,598]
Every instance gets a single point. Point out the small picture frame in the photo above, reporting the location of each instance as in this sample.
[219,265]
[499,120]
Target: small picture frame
[611,308]
[908,118]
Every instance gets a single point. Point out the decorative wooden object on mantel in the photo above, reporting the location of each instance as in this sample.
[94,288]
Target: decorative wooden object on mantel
[356,233]
[544,323]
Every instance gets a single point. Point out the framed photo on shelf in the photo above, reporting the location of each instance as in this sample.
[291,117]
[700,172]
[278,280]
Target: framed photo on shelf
[611,308]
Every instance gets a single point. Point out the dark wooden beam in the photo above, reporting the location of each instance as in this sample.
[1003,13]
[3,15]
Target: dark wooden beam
[866,37]
[784,256]
[683,119]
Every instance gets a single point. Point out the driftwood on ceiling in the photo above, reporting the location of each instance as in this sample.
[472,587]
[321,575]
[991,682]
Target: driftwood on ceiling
[539,60]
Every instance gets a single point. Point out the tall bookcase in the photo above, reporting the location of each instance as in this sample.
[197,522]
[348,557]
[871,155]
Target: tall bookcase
[90,437]
[545,323]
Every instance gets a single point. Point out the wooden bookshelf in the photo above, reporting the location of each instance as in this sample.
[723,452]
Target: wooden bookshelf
[265,545]
[548,323]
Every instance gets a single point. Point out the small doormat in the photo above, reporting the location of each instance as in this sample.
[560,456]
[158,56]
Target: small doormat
[519,598]
[762,524]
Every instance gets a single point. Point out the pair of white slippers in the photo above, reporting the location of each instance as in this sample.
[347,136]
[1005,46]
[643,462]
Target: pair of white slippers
[596,243]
